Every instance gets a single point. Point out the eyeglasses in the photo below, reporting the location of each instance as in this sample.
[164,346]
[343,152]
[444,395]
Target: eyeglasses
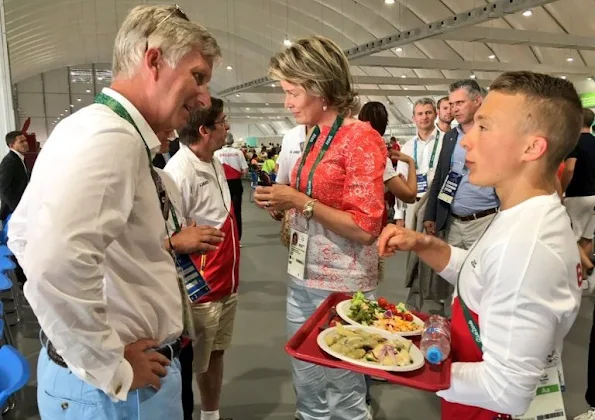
[223,121]
[177,12]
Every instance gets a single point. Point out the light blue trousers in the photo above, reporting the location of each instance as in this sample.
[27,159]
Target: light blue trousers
[61,395]
[322,393]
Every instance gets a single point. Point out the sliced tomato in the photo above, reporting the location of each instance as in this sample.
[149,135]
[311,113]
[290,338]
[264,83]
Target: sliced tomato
[408,317]
[392,307]
[383,303]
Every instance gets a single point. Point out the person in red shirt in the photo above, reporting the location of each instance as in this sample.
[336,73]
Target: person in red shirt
[518,288]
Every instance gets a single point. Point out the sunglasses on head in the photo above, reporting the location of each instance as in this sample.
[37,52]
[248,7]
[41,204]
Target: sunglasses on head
[176,12]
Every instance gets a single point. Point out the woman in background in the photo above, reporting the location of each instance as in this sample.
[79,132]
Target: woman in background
[336,202]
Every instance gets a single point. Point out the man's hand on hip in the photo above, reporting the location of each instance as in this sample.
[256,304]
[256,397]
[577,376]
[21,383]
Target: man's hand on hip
[147,365]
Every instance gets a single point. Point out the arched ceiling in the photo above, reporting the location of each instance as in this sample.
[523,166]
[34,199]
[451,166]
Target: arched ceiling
[44,35]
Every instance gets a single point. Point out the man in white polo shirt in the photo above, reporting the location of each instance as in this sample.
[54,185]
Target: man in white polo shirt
[291,150]
[424,148]
[235,166]
[89,230]
[518,288]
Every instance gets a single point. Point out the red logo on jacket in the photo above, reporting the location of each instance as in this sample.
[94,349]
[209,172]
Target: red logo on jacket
[579,274]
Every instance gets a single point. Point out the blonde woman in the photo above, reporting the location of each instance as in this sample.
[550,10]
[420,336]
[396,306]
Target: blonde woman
[336,203]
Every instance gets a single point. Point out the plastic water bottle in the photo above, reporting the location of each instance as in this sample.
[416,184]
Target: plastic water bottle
[435,340]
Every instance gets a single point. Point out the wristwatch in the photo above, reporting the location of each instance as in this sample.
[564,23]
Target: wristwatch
[308,211]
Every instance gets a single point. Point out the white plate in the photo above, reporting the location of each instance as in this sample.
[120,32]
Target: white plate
[343,311]
[415,353]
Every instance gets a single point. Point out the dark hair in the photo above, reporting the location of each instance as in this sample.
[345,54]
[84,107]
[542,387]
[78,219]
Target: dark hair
[393,138]
[440,101]
[271,154]
[12,137]
[470,85]
[375,113]
[553,109]
[203,117]
[588,118]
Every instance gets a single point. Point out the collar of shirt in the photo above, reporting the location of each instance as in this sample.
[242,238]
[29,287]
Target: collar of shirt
[442,133]
[19,154]
[145,129]
[429,139]
[460,132]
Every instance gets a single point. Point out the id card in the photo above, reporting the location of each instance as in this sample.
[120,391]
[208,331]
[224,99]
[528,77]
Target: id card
[298,246]
[548,402]
[194,282]
[422,184]
[450,186]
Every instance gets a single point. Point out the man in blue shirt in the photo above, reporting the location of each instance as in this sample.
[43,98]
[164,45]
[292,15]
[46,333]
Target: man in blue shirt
[457,208]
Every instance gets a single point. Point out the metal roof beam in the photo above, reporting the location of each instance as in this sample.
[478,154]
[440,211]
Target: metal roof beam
[494,10]
[379,80]
[430,63]
[518,37]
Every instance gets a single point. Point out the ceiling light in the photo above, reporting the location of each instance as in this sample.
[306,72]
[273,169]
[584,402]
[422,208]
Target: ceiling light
[403,76]
[88,91]
[405,88]
[267,104]
[272,85]
[247,109]
[287,42]
[248,116]
[570,59]
[389,1]
[398,49]
[78,99]
[237,95]
[66,110]
[229,67]
[590,78]
[527,13]
[100,78]
[563,77]
[61,115]
[71,105]
[472,76]
[492,56]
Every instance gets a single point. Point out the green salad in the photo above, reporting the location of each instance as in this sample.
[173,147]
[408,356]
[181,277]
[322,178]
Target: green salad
[364,311]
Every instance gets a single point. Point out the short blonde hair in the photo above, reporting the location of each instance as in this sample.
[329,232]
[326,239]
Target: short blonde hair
[318,65]
[165,27]
[553,109]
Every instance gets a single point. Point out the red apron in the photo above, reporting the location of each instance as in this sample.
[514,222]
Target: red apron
[464,349]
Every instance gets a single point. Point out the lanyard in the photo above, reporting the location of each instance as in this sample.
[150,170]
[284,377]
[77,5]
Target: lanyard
[433,150]
[325,146]
[117,107]
[471,324]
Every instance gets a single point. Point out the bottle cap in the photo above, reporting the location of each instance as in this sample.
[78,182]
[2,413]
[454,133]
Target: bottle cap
[434,355]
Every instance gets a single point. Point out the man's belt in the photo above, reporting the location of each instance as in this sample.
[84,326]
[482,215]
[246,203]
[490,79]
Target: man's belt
[170,351]
[476,216]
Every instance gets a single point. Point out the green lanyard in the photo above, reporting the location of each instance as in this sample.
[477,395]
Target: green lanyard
[325,146]
[433,150]
[117,107]
[471,324]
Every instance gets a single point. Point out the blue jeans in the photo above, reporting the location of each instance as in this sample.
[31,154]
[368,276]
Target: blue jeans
[61,395]
[322,393]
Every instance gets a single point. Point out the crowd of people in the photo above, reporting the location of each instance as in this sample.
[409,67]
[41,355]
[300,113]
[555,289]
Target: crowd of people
[131,241]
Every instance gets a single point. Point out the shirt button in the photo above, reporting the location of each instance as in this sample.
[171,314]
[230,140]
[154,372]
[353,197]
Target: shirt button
[64,405]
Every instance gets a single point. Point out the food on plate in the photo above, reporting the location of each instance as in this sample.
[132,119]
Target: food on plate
[381,314]
[360,345]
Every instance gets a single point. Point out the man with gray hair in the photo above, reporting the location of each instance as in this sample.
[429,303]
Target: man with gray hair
[89,231]
[455,206]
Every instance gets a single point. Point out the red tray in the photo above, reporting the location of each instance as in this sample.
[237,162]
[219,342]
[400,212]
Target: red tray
[303,346]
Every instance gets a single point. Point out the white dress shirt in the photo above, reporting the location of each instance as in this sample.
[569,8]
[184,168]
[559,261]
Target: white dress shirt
[88,233]
[423,158]
[291,149]
[522,279]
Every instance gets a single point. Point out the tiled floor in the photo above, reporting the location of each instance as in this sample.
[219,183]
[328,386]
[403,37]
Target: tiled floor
[258,383]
